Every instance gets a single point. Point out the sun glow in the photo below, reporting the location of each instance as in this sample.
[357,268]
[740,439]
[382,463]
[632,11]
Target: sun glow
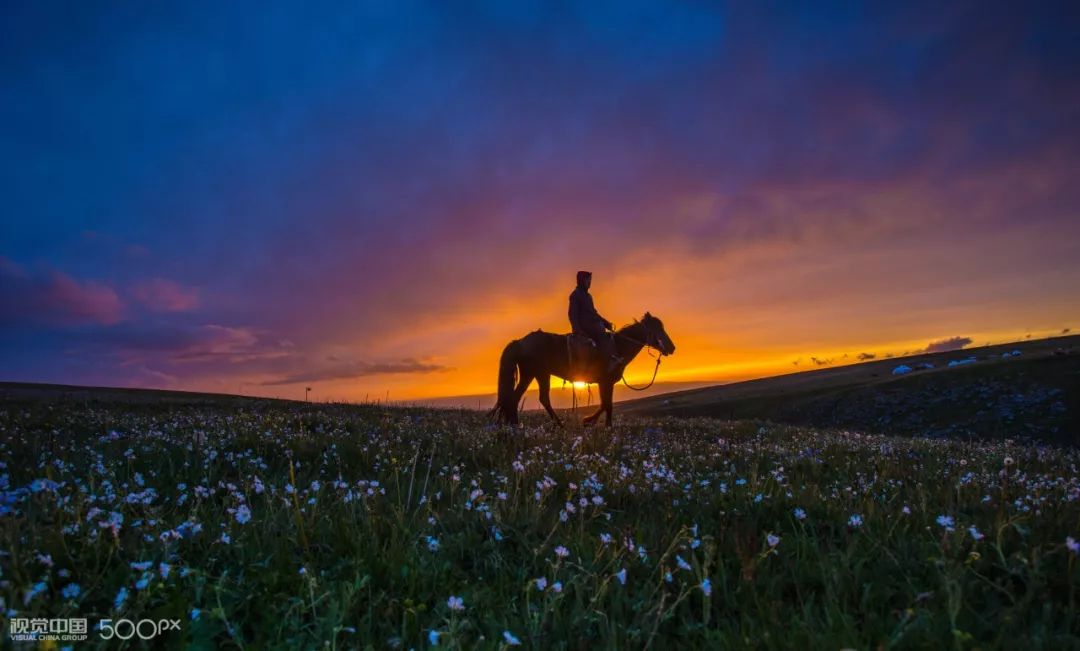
[580,385]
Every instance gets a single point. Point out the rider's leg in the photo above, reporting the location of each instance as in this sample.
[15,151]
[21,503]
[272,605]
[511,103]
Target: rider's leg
[606,346]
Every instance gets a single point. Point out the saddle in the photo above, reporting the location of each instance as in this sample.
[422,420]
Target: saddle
[584,362]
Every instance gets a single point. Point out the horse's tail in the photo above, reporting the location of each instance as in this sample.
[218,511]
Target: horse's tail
[505,409]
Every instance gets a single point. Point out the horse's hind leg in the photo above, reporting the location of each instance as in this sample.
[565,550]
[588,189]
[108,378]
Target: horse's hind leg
[544,381]
[523,385]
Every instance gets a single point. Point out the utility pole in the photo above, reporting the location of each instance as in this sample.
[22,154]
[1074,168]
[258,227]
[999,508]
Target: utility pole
[306,392]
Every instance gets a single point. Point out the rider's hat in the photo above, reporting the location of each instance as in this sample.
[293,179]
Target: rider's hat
[582,275]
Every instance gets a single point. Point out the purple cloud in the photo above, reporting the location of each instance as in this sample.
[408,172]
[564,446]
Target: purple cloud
[360,369]
[163,295]
[55,298]
[945,345]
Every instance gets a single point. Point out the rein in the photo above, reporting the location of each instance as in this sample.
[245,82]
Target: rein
[656,368]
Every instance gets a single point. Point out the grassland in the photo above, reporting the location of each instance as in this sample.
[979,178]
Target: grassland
[284,525]
[1034,395]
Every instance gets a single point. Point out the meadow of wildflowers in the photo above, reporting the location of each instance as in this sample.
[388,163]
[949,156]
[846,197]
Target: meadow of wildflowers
[274,525]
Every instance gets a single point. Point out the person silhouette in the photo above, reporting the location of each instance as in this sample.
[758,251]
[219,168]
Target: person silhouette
[585,320]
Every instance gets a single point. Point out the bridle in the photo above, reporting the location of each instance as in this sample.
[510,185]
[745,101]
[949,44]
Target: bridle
[645,344]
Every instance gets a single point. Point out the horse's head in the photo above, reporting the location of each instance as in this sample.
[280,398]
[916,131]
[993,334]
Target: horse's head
[656,336]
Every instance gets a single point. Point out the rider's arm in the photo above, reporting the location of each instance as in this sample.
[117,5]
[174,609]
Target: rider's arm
[594,313]
[608,324]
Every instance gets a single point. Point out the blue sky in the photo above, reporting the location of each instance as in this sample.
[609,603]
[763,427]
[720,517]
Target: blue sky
[213,195]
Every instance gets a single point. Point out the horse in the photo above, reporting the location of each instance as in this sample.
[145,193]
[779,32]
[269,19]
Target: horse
[539,355]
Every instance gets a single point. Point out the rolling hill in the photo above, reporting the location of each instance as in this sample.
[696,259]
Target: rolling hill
[1026,389]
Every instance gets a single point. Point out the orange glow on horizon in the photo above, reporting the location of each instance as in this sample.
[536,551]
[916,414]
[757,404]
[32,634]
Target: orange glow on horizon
[753,317]
[733,365]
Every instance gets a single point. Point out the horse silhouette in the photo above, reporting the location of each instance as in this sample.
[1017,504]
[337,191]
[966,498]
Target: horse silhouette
[539,355]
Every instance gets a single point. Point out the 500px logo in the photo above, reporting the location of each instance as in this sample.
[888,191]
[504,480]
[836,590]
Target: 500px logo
[146,629]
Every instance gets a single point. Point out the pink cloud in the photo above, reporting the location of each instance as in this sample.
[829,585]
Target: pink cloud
[49,296]
[230,345]
[162,295]
[67,299]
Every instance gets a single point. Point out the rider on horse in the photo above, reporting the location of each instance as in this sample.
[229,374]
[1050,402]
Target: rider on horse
[585,320]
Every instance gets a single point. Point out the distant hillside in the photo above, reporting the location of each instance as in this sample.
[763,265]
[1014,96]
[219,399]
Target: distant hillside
[32,391]
[1034,394]
[561,395]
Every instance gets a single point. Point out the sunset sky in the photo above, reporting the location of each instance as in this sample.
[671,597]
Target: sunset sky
[375,198]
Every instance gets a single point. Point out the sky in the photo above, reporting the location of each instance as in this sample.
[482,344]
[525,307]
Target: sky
[372,199]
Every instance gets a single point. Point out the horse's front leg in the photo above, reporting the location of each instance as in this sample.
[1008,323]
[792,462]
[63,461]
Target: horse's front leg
[589,420]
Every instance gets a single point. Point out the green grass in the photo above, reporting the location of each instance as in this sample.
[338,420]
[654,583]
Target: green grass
[349,563]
